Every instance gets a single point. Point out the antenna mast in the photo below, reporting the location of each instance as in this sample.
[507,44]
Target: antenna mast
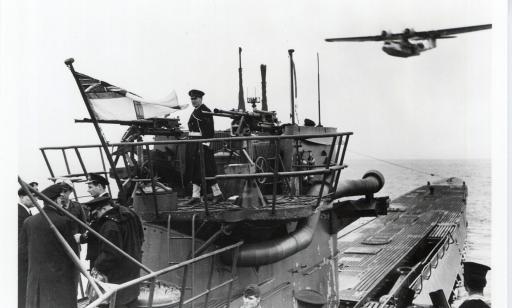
[292,69]
[241,103]
[318,74]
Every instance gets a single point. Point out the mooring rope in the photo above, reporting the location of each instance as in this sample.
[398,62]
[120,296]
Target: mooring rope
[397,165]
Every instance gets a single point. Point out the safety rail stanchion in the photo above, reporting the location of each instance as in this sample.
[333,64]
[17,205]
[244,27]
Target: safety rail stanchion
[233,274]
[112,302]
[169,238]
[68,170]
[86,226]
[69,251]
[152,176]
[47,163]
[209,283]
[193,248]
[183,286]
[151,292]
[203,175]
[80,160]
[337,179]
[66,161]
[322,185]
[276,167]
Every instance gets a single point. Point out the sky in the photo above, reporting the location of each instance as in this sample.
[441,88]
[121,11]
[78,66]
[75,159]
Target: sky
[440,105]
[435,106]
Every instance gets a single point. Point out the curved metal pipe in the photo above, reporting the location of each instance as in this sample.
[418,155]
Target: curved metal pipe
[372,182]
[271,251]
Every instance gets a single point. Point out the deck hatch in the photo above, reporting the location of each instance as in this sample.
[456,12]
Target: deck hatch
[363,250]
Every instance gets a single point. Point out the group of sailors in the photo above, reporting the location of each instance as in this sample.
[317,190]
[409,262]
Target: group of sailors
[47,274]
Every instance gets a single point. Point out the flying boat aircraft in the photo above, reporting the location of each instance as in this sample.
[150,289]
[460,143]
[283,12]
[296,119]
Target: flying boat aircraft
[411,43]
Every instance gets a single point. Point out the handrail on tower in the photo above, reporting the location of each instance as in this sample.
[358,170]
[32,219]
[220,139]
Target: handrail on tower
[329,169]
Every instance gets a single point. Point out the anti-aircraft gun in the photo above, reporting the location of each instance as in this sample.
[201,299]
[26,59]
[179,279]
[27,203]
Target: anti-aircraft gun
[142,127]
[246,123]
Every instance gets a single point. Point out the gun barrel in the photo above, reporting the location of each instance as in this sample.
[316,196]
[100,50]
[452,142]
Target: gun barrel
[236,113]
[217,114]
[264,112]
[371,182]
[120,122]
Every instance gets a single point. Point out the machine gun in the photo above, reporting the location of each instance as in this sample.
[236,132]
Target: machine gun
[246,122]
[142,127]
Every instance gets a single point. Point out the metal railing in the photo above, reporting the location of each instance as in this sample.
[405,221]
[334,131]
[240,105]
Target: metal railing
[335,158]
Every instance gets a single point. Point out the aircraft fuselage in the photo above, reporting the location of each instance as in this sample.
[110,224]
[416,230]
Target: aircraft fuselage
[407,48]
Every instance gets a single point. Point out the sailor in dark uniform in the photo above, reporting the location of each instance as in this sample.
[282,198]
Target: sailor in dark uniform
[52,275]
[96,185]
[122,227]
[24,205]
[474,283]
[73,207]
[200,126]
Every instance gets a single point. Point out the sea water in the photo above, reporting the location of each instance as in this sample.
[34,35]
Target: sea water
[402,176]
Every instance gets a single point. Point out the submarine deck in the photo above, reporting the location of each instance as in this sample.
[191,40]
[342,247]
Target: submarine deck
[376,247]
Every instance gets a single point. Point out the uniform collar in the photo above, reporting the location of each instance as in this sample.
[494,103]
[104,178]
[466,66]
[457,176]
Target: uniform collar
[25,207]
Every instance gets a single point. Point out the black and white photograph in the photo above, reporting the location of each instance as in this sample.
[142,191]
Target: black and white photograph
[255,154]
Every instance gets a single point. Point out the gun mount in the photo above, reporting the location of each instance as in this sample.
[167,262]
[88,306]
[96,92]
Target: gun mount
[143,127]
[246,123]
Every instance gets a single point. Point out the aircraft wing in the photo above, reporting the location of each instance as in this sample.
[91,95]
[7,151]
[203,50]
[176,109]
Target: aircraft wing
[447,32]
[376,38]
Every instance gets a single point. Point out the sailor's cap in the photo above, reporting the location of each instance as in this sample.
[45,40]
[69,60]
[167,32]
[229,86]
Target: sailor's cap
[66,185]
[96,178]
[98,202]
[252,290]
[195,93]
[52,191]
[474,274]
[310,297]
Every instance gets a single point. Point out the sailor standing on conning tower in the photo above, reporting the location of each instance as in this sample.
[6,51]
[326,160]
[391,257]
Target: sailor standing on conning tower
[200,126]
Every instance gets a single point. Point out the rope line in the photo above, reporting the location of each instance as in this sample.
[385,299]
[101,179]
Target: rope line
[397,165]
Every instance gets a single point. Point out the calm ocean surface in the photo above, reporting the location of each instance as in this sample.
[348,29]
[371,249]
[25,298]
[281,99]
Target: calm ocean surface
[405,175]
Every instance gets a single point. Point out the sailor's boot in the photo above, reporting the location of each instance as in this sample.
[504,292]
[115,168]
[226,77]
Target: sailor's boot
[217,194]
[192,201]
[196,196]
[217,199]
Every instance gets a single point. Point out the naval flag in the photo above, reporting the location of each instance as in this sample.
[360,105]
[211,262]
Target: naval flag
[113,103]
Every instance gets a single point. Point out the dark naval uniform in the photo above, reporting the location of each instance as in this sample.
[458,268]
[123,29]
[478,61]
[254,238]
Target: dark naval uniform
[51,280]
[76,209]
[122,227]
[23,214]
[200,126]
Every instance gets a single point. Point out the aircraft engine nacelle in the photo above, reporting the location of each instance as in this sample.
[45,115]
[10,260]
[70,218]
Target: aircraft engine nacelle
[408,32]
[385,34]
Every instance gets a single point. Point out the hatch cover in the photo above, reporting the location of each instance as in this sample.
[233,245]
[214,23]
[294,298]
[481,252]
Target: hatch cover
[379,239]
[363,250]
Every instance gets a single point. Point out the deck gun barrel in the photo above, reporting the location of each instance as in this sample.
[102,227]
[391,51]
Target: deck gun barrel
[372,182]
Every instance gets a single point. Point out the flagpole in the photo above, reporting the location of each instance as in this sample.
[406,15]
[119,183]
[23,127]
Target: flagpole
[69,64]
